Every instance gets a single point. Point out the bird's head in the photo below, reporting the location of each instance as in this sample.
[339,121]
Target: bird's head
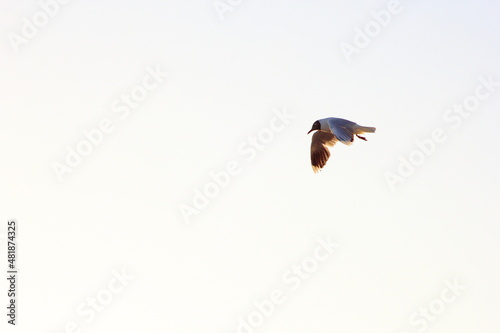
[316,126]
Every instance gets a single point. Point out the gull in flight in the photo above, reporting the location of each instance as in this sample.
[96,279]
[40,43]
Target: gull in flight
[329,131]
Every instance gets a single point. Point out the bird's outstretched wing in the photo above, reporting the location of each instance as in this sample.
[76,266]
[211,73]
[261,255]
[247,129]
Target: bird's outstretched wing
[343,129]
[319,151]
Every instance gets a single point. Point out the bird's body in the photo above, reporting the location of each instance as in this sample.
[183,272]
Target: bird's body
[329,131]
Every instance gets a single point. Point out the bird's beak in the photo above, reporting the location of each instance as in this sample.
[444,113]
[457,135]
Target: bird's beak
[310,131]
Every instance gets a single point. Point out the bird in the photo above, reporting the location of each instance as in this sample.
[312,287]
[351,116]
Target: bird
[328,132]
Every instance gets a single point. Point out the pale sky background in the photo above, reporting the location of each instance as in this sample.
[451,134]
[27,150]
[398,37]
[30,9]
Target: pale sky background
[121,207]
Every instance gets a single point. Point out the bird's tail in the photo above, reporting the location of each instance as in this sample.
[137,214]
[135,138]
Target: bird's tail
[365,129]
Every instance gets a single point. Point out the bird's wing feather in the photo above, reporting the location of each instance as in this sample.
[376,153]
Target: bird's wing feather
[342,129]
[342,122]
[319,151]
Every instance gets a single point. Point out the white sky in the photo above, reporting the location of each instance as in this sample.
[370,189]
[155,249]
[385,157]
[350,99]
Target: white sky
[120,208]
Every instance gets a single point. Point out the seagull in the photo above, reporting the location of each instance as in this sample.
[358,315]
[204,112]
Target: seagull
[329,131]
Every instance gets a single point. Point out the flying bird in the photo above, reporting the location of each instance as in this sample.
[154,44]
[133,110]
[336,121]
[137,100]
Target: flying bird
[329,131]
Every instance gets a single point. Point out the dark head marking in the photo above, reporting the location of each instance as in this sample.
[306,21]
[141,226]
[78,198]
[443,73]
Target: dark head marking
[316,126]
